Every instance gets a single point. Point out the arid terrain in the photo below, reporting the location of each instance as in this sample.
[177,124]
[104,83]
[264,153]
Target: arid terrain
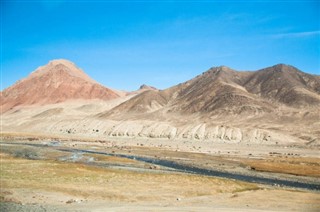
[54,176]
[224,140]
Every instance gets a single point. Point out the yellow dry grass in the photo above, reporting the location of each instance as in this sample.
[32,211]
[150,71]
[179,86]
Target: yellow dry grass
[100,183]
[296,166]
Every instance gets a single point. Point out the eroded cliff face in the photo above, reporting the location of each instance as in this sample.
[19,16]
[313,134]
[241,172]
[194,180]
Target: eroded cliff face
[62,121]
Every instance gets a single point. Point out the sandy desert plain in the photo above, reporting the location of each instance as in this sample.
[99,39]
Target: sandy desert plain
[213,143]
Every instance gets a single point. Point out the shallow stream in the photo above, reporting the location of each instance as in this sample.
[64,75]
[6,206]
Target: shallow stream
[180,167]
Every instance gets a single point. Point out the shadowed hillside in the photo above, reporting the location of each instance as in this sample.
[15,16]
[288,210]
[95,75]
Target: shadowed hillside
[222,90]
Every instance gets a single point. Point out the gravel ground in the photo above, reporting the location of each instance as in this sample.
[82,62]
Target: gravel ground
[16,207]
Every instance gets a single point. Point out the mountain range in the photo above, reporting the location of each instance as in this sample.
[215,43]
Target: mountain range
[276,95]
[223,90]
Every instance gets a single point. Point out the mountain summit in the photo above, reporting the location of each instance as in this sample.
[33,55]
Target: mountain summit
[58,81]
[222,90]
[60,65]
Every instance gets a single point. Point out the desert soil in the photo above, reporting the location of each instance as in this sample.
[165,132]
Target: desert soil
[43,179]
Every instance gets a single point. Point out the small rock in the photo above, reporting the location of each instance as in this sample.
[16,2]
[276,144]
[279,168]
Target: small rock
[70,201]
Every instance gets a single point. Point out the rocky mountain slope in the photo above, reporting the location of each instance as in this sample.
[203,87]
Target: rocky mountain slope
[222,90]
[278,104]
[285,84]
[58,81]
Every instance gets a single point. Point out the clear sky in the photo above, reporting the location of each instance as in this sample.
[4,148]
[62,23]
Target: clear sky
[161,43]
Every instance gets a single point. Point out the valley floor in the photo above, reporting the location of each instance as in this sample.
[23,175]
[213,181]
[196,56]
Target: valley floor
[41,174]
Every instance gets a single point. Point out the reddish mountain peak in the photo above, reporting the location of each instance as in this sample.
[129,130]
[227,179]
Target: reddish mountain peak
[61,65]
[58,81]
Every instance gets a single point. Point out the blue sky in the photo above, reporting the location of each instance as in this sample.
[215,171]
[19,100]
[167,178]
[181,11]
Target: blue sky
[161,43]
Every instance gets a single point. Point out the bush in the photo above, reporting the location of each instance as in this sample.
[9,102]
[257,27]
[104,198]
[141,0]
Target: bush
[26,153]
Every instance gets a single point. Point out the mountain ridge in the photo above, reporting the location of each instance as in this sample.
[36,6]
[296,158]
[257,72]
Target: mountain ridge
[220,89]
[278,104]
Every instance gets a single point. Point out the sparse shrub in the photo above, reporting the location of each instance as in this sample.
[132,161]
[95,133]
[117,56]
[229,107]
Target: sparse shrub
[26,153]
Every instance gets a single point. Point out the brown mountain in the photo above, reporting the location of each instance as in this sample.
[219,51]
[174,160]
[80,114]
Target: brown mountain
[147,87]
[142,89]
[58,81]
[226,91]
[220,90]
[271,105]
[285,84]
